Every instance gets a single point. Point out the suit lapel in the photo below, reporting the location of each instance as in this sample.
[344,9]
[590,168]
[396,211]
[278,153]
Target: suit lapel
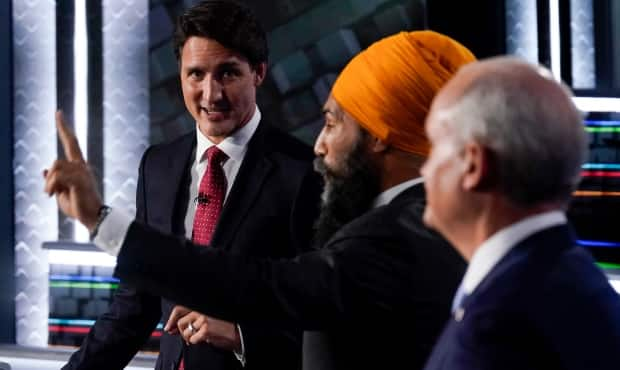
[248,185]
[174,179]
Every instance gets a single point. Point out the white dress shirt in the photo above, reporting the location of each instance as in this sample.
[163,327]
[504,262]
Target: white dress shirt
[387,195]
[235,147]
[499,244]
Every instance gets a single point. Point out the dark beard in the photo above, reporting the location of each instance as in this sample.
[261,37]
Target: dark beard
[346,196]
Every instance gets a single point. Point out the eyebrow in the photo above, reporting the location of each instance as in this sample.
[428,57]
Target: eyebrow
[230,64]
[334,112]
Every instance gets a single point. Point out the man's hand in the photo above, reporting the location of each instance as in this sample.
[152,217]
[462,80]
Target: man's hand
[72,181]
[219,333]
[177,313]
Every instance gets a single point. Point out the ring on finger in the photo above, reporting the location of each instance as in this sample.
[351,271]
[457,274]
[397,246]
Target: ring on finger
[191,328]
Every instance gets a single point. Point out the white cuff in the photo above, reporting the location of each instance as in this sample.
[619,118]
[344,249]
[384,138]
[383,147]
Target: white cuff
[112,232]
[240,356]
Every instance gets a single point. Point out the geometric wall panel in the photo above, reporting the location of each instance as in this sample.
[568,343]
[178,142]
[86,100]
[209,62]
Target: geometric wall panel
[34,64]
[323,86]
[521,29]
[329,15]
[337,48]
[393,20]
[582,44]
[292,72]
[125,98]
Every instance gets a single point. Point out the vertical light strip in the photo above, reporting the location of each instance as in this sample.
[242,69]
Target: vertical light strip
[80,106]
[125,98]
[34,148]
[521,29]
[554,38]
[582,44]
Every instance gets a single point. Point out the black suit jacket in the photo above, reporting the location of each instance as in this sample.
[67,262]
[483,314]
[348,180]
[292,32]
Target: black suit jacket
[545,305]
[269,212]
[381,278]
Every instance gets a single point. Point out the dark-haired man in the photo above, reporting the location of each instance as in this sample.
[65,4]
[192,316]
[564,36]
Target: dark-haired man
[234,184]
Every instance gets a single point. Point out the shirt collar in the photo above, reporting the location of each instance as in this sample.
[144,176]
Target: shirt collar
[386,196]
[234,145]
[499,244]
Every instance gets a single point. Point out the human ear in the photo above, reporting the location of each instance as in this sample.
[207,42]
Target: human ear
[475,166]
[378,145]
[260,71]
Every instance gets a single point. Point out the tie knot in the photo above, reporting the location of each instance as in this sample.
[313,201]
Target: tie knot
[216,155]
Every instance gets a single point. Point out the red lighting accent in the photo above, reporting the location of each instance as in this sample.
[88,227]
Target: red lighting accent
[600,173]
[69,329]
[85,330]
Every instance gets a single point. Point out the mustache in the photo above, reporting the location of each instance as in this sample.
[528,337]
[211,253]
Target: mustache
[320,166]
[218,107]
[322,169]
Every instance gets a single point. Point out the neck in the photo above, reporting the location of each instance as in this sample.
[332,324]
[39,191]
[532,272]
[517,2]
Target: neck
[391,181]
[497,214]
[398,167]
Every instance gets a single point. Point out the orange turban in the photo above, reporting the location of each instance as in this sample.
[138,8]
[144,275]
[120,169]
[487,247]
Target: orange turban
[388,88]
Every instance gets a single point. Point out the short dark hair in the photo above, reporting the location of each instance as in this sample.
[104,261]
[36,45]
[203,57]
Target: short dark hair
[228,22]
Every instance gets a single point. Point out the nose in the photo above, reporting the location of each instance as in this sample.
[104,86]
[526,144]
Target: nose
[212,90]
[319,145]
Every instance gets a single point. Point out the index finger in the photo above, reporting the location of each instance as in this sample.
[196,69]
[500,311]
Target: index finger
[177,313]
[68,139]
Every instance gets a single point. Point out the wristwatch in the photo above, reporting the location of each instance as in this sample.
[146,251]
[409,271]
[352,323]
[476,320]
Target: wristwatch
[103,212]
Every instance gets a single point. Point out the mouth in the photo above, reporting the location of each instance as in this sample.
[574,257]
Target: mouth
[215,113]
[322,169]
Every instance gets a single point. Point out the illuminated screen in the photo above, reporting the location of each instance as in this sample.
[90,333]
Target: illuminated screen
[595,209]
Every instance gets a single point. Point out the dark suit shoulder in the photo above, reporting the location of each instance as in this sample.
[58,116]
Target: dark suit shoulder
[282,143]
[545,261]
[568,277]
[543,275]
[171,147]
[544,305]
[396,230]
[401,217]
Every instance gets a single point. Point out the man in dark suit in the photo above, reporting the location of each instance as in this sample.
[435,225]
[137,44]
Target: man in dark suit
[380,274]
[507,148]
[270,199]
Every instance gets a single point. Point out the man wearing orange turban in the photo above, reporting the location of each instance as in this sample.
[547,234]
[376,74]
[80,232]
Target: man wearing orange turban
[377,291]
[384,92]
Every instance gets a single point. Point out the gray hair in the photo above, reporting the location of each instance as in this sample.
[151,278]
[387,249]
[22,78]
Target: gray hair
[531,126]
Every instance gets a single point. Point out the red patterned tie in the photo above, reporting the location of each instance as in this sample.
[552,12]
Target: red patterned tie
[209,202]
[210,197]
